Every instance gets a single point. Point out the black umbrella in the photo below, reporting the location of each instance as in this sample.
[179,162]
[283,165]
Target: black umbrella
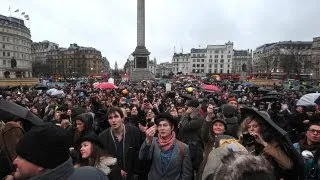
[283,140]
[313,90]
[80,90]
[40,87]
[10,110]
[269,98]
[274,93]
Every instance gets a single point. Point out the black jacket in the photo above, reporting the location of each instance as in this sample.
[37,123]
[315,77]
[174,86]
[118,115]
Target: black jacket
[132,142]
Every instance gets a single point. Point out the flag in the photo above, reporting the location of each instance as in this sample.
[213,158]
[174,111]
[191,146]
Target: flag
[9,8]
[16,10]
[23,13]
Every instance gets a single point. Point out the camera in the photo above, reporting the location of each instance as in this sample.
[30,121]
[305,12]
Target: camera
[248,139]
[150,124]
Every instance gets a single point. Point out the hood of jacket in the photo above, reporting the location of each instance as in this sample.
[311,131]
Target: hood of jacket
[87,119]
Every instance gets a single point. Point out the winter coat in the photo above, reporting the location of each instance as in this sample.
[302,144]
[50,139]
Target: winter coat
[9,138]
[311,165]
[209,143]
[190,129]
[88,172]
[190,133]
[179,168]
[109,166]
[216,154]
[61,172]
[231,118]
[131,147]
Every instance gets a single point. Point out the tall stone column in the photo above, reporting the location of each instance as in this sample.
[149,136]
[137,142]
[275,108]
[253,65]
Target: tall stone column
[141,23]
[141,54]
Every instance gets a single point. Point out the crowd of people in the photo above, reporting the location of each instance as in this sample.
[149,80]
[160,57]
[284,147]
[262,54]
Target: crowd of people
[143,131]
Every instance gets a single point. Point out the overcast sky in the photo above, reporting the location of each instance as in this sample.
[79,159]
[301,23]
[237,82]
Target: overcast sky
[110,25]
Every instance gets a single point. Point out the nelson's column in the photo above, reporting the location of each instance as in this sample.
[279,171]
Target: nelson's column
[141,54]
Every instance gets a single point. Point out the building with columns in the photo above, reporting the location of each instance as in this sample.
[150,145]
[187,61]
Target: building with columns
[15,48]
[39,52]
[75,61]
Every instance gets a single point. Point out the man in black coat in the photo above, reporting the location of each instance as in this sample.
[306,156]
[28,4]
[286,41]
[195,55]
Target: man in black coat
[123,142]
[189,132]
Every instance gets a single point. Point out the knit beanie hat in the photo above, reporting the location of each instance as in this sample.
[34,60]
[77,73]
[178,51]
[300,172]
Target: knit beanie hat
[44,145]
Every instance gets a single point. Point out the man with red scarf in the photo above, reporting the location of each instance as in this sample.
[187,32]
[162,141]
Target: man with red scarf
[170,157]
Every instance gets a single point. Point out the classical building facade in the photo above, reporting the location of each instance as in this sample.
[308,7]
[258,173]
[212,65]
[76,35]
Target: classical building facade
[15,48]
[164,69]
[39,52]
[287,57]
[316,58]
[181,63]
[241,61]
[200,61]
[75,61]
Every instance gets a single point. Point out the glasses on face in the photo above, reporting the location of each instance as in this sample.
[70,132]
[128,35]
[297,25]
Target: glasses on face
[314,131]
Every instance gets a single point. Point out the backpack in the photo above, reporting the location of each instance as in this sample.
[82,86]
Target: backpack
[181,149]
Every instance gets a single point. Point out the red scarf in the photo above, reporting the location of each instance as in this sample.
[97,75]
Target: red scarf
[166,144]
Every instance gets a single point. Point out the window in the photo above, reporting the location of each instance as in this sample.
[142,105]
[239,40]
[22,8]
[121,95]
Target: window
[210,65]
[198,65]
[194,60]
[228,65]
[210,56]
[193,65]
[3,54]
[221,71]
[221,65]
[216,61]
[198,55]
[202,71]
[215,70]
[216,51]
[216,56]
[221,56]
[221,61]
[8,53]
[202,65]
[216,66]
[3,46]
[229,56]
[198,60]
[4,62]
[202,60]
[210,60]
[193,70]
[228,60]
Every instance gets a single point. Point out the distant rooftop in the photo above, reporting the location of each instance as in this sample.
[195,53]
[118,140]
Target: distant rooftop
[12,21]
